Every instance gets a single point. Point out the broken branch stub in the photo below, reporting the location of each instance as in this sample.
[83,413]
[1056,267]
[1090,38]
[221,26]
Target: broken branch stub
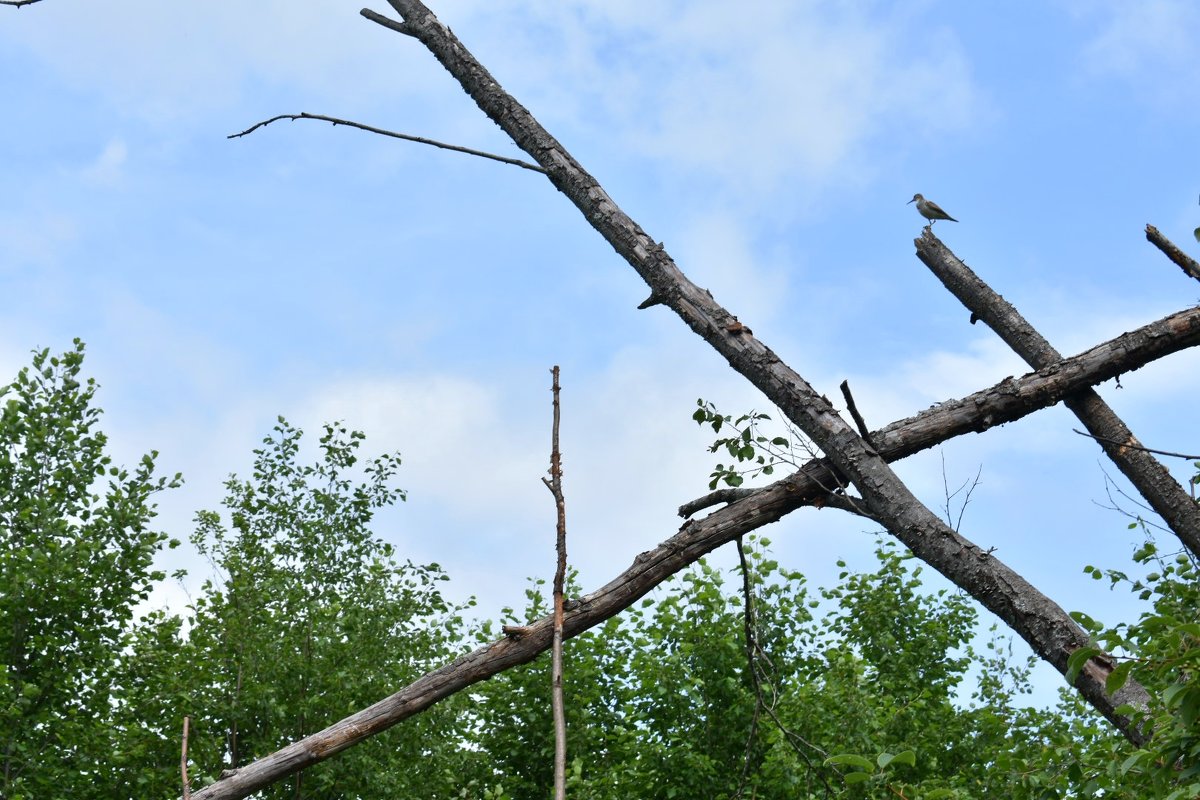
[1037,619]
[1006,401]
[1152,480]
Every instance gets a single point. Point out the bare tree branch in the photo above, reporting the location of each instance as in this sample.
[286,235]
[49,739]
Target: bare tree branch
[391,24]
[969,485]
[755,652]
[1168,499]
[1048,629]
[18,3]
[713,499]
[560,574]
[516,162]
[751,667]
[1042,623]
[1012,398]
[1177,256]
[1004,402]
[1167,453]
[847,503]
[863,431]
[183,759]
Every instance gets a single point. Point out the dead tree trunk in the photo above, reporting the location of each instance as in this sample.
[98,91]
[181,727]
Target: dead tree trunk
[1164,494]
[1043,624]
[1009,400]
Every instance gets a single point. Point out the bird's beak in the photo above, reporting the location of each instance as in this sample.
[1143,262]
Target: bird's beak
[911,201]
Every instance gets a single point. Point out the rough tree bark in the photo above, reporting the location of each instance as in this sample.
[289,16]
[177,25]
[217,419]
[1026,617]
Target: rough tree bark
[1008,400]
[1164,494]
[1048,629]
[1177,256]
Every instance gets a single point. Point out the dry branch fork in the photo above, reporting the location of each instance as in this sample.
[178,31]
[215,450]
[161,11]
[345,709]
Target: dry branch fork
[1048,629]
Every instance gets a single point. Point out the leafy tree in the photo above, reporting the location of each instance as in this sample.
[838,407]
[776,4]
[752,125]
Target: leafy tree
[76,548]
[867,701]
[311,618]
[1162,650]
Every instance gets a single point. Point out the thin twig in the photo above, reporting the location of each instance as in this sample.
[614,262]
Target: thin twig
[516,162]
[748,619]
[1180,258]
[754,652]
[1114,505]
[974,484]
[187,785]
[560,573]
[1136,446]
[18,3]
[863,430]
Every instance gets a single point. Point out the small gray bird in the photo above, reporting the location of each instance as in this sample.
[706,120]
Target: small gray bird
[930,210]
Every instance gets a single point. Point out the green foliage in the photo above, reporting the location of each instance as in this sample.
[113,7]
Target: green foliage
[76,550]
[863,703]
[1163,654]
[312,619]
[747,445]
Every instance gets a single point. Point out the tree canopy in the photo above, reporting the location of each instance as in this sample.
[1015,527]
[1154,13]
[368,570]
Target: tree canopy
[742,684]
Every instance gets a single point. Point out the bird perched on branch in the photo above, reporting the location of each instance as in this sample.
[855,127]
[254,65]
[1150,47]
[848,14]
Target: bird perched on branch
[930,210]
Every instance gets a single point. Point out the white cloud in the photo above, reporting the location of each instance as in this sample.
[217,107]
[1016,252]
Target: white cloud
[778,97]
[166,62]
[108,168]
[1138,38]
[446,427]
[934,377]
[721,256]
[1140,31]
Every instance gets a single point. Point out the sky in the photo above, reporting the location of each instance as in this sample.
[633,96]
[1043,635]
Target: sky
[422,296]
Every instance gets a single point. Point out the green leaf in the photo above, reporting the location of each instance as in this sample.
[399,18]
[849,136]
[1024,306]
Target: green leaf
[1077,659]
[1189,709]
[1118,677]
[1132,761]
[856,777]
[850,760]
[1171,694]
[1190,628]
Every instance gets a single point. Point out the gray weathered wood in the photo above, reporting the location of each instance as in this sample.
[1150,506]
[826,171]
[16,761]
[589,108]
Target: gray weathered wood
[1152,480]
[1047,628]
[1006,401]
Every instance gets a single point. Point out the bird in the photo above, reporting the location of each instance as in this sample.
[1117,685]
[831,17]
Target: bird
[930,210]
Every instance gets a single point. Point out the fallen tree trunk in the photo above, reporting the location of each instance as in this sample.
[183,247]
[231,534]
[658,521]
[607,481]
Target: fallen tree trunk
[1006,401]
[1043,624]
[1152,480]
[1048,629]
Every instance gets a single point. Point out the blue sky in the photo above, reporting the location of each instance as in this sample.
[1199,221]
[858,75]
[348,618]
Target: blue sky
[422,296]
